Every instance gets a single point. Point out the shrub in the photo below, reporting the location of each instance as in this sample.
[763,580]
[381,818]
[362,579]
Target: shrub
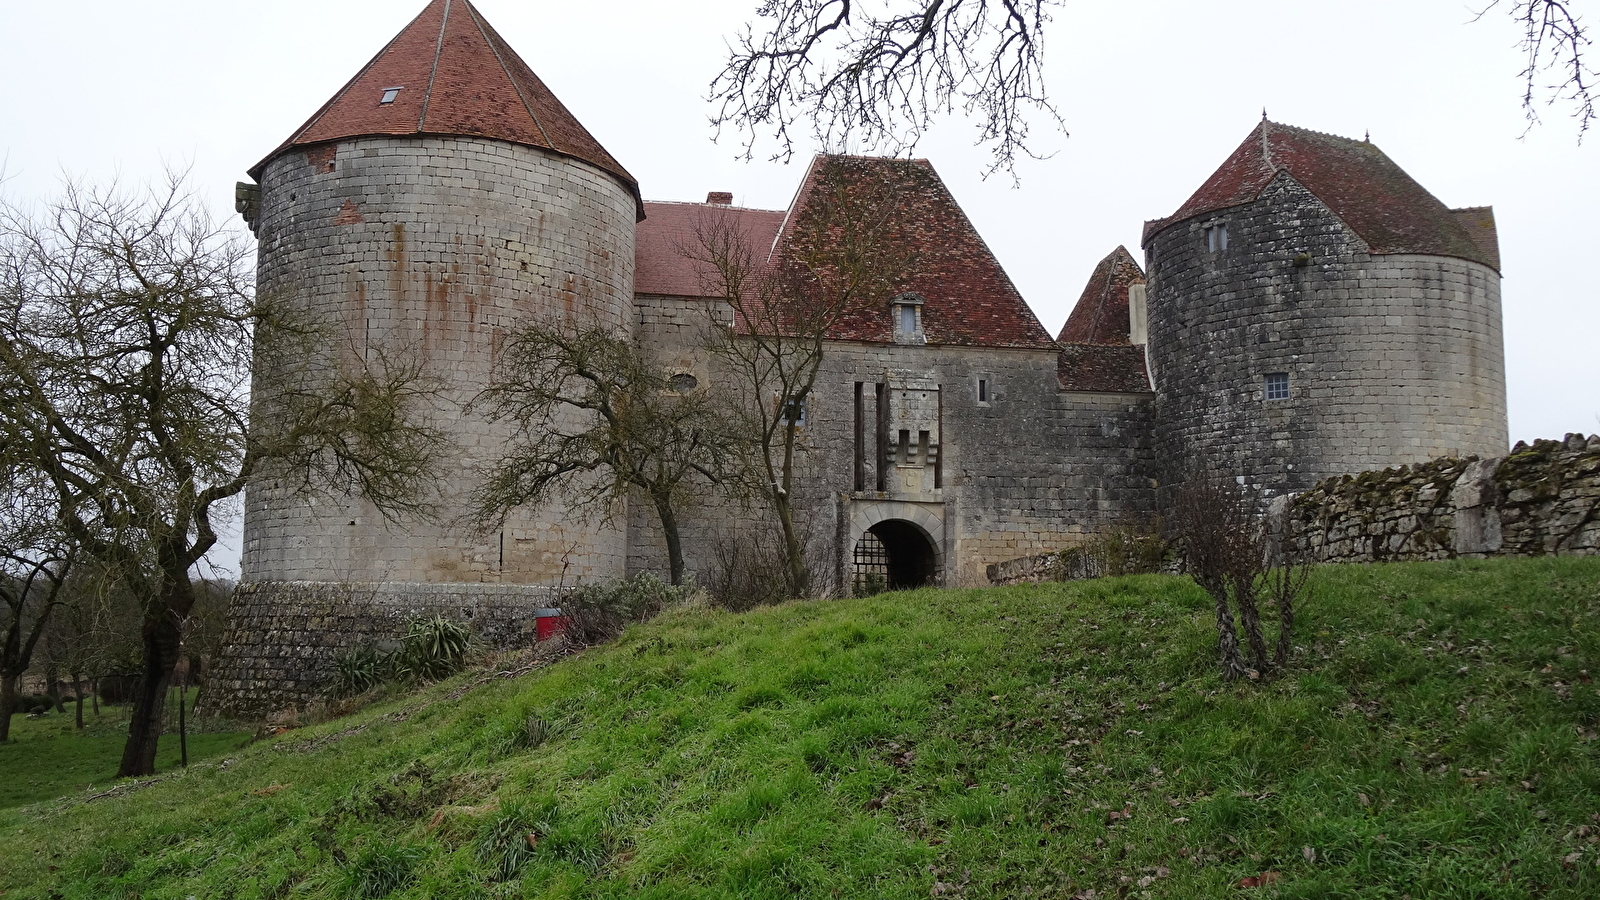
[431,649]
[359,671]
[598,612]
[748,570]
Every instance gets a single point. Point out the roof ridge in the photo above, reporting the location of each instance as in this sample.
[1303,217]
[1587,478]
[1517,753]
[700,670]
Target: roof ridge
[433,72]
[515,84]
[713,205]
[1326,134]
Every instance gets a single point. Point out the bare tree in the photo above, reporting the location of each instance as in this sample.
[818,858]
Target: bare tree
[883,72]
[1227,551]
[839,256]
[586,402]
[125,352]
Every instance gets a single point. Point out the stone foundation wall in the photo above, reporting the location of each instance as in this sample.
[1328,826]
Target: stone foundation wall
[1541,499]
[285,637]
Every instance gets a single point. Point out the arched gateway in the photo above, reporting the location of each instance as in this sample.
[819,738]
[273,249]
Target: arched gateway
[894,555]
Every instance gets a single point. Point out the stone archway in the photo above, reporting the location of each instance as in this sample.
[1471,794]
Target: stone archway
[894,555]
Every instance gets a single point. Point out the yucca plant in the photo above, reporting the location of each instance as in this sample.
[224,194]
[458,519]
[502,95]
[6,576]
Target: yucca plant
[432,649]
[359,671]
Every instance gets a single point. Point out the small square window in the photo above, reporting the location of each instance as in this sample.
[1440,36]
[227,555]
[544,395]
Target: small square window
[389,94]
[794,413]
[1217,238]
[1277,386]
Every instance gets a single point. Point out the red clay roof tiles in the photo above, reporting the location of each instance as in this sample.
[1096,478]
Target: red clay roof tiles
[969,299]
[669,237]
[455,76]
[1101,315]
[1103,368]
[1383,205]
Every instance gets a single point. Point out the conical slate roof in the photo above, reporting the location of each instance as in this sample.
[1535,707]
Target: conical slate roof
[450,73]
[1358,182]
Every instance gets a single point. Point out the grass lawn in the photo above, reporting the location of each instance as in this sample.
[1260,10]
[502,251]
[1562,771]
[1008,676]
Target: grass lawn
[48,757]
[1436,738]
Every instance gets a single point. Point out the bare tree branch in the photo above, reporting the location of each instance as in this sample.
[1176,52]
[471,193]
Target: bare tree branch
[881,73]
[1554,42]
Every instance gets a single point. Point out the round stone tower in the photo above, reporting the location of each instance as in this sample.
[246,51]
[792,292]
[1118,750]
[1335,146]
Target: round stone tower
[440,197]
[1313,311]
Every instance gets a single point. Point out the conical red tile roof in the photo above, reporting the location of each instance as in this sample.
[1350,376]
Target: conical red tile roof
[1101,316]
[456,76]
[1357,181]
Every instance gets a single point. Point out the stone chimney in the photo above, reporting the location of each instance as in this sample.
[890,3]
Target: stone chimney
[720,198]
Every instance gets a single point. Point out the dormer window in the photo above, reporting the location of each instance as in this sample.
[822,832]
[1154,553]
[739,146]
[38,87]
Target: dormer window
[907,309]
[389,94]
[1217,237]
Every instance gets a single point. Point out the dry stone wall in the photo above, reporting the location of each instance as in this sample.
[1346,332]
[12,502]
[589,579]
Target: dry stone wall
[1541,499]
[285,637]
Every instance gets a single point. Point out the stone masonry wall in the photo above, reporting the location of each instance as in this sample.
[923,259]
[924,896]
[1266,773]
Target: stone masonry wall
[431,248]
[285,637]
[1391,359]
[1541,499]
[1029,468]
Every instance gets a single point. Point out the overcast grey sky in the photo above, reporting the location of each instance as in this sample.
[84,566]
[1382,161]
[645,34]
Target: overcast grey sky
[1156,94]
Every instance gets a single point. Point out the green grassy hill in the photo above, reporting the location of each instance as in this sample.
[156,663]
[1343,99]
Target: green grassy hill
[1435,739]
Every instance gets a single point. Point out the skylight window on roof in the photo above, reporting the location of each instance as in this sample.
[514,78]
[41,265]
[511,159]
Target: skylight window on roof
[389,94]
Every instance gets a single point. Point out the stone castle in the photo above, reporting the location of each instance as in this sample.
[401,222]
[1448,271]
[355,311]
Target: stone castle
[1309,311]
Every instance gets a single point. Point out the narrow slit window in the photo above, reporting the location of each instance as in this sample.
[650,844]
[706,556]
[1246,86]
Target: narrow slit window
[389,94]
[1277,386]
[983,390]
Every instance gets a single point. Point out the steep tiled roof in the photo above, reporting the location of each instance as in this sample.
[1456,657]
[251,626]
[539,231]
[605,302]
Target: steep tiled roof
[1389,210]
[456,76]
[1102,368]
[1101,316]
[1479,223]
[671,233]
[968,298]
